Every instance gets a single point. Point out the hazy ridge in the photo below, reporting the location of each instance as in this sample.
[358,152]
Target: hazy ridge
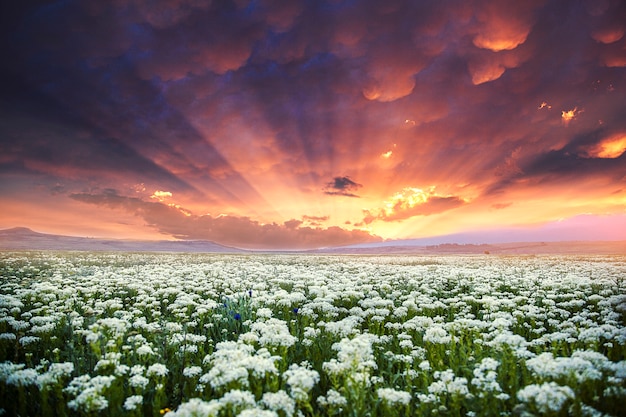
[22,238]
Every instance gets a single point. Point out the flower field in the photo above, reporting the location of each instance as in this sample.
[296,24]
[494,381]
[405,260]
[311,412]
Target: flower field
[112,334]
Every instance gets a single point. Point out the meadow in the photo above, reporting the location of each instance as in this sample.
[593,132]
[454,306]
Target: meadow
[129,334]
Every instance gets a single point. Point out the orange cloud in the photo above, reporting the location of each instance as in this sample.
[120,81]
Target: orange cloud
[161,195]
[388,85]
[615,61]
[611,147]
[238,231]
[568,115]
[490,66]
[412,202]
[608,35]
[503,25]
[391,70]
[487,73]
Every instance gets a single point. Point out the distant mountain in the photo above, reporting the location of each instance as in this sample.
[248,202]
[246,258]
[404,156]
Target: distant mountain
[22,238]
[417,247]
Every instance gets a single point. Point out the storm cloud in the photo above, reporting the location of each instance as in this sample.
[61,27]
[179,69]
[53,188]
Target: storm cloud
[261,111]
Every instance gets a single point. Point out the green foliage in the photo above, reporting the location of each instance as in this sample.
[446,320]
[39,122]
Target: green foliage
[127,334]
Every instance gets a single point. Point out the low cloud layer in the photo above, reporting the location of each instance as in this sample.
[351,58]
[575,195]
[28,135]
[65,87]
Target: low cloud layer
[237,231]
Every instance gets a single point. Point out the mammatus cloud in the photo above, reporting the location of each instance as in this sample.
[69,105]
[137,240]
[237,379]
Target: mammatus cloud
[342,186]
[412,202]
[238,231]
[503,25]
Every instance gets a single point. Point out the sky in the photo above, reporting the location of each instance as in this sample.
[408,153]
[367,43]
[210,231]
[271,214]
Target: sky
[271,124]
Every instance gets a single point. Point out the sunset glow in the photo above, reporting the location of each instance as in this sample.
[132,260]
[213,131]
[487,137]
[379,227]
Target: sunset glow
[278,124]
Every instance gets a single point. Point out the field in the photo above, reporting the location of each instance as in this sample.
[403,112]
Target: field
[122,334]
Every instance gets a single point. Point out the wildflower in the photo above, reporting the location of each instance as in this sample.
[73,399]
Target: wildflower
[548,397]
[332,399]
[55,373]
[394,397]
[157,369]
[23,377]
[145,350]
[437,334]
[192,371]
[279,401]
[447,382]
[90,398]
[264,313]
[132,402]
[137,370]
[485,378]
[301,380]
[196,407]
[138,381]
[28,340]
[238,398]
[273,332]
[257,412]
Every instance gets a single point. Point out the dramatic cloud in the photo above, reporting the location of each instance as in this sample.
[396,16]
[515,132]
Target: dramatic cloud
[412,202]
[342,186]
[503,25]
[241,232]
[266,110]
[611,147]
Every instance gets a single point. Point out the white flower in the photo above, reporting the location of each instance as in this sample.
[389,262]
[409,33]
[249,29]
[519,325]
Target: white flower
[277,401]
[264,313]
[394,397]
[192,371]
[301,380]
[145,350]
[55,373]
[353,356]
[576,367]
[447,382]
[437,334]
[257,412]
[28,340]
[346,327]
[90,396]
[23,377]
[157,369]
[273,332]
[485,376]
[333,399]
[133,402]
[238,398]
[196,407]
[548,397]
[138,381]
